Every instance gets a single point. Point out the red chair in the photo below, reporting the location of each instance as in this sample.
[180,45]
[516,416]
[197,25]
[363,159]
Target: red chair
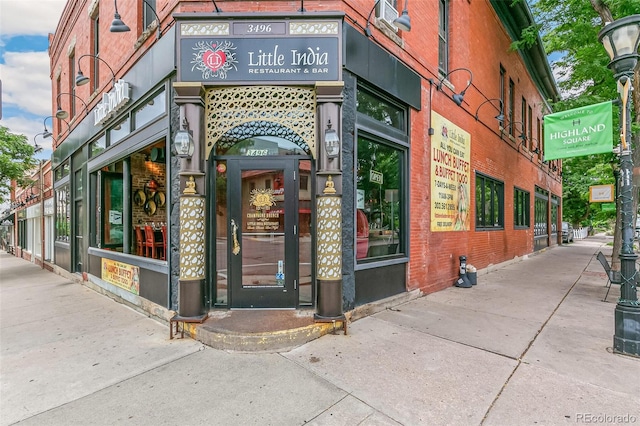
[150,244]
[139,241]
[163,253]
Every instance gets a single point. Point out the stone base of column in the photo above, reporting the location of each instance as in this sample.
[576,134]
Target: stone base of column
[191,298]
[330,299]
[626,339]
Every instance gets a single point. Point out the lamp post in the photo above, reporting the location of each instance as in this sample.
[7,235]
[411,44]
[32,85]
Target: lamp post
[620,39]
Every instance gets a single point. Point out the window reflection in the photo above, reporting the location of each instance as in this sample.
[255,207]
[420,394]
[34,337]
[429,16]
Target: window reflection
[119,131]
[155,107]
[380,109]
[379,200]
[260,146]
[146,223]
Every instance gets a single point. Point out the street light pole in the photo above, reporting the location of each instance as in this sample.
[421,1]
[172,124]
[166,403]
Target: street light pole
[620,39]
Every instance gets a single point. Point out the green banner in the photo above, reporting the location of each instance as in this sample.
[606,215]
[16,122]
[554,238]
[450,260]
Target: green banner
[577,132]
[608,207]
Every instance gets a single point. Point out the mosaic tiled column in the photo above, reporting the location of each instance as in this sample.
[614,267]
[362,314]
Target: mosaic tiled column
[192,250]
[329,206]
[192,274]
[329,253]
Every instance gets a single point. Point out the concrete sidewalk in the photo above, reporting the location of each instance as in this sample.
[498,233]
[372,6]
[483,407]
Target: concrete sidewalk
[530,344]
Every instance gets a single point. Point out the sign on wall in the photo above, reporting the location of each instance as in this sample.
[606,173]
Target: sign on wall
[260,50]
[122,275]
[577,132]
[601,193]
[450,176]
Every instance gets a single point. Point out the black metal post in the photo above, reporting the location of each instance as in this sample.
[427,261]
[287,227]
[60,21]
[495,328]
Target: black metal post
[626,339]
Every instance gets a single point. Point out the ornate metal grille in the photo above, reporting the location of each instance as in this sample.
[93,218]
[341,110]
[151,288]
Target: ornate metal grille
[236,113]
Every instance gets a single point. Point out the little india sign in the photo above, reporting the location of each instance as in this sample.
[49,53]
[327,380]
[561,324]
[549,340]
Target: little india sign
[246,51]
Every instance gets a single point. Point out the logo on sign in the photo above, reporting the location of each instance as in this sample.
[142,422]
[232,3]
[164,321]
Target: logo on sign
[214,59]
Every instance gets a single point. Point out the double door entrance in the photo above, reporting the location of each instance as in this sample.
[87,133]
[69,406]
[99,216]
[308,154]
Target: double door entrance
[263,241]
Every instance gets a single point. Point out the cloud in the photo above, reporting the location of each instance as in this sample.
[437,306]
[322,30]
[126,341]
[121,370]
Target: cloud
[30,128]
[29,17]
[26,81]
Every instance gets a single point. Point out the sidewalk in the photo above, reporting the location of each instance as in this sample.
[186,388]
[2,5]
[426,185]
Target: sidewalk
[530,344]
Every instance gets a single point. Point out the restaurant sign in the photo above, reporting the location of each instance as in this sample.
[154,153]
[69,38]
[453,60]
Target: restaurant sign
[243,50]
[122,275]
[111,102]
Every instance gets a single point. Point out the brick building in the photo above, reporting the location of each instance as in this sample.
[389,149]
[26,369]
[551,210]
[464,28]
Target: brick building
[332,156]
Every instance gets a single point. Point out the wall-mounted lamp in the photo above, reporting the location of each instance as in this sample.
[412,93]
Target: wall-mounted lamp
[183,141]
[403,21]
[46,133]
[535,150]
[331,142]
[458,98]
[521,135]
[216,6]
[81,79]
[117,26]
[37,148]
[500,116]
[60,113]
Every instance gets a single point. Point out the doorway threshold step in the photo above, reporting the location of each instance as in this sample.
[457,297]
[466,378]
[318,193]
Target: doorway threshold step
[249,330]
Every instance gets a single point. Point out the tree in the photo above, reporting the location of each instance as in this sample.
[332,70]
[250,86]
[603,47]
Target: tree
[16,159]
[570,28]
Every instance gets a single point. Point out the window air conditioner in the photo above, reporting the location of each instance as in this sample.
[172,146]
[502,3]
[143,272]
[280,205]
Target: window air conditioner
[387,13]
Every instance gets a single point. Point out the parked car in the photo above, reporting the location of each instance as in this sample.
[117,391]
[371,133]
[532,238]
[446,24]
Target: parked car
[567,232]
[638,228]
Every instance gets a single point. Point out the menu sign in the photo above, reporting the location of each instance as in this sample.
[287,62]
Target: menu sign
[450,176]
[261,51]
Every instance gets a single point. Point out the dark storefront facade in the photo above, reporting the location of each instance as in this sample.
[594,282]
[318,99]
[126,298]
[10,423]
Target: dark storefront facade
[323,168]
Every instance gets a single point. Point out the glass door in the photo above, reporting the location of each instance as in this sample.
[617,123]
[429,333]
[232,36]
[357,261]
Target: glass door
[262,229]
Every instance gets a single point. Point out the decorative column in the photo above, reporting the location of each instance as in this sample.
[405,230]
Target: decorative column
[189,97]
[329,203]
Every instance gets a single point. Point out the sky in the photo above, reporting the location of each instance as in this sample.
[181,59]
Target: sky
[24,66]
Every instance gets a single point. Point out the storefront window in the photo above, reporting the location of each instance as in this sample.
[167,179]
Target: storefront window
[379,202]
[112,209]
[146,224]
[119,131]
[63,218]
[155,107]
[98,146]
[381,110]
[489,203]
[62,171]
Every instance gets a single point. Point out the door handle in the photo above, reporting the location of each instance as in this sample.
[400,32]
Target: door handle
[234,232]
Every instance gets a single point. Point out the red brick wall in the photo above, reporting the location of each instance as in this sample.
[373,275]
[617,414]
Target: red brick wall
[477,42]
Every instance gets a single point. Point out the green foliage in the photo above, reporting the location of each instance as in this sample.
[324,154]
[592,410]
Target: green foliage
[570,32]
[16,158]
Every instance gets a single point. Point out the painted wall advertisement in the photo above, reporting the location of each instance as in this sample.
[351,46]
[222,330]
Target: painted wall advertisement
[578,132]
[450,176]
[122,275]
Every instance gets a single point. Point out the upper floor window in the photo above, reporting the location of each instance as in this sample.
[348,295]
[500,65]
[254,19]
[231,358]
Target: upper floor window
[148,13]
[523,114]
[443,36]
[511,106]
[95,51]
[503,75]
[72,83]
